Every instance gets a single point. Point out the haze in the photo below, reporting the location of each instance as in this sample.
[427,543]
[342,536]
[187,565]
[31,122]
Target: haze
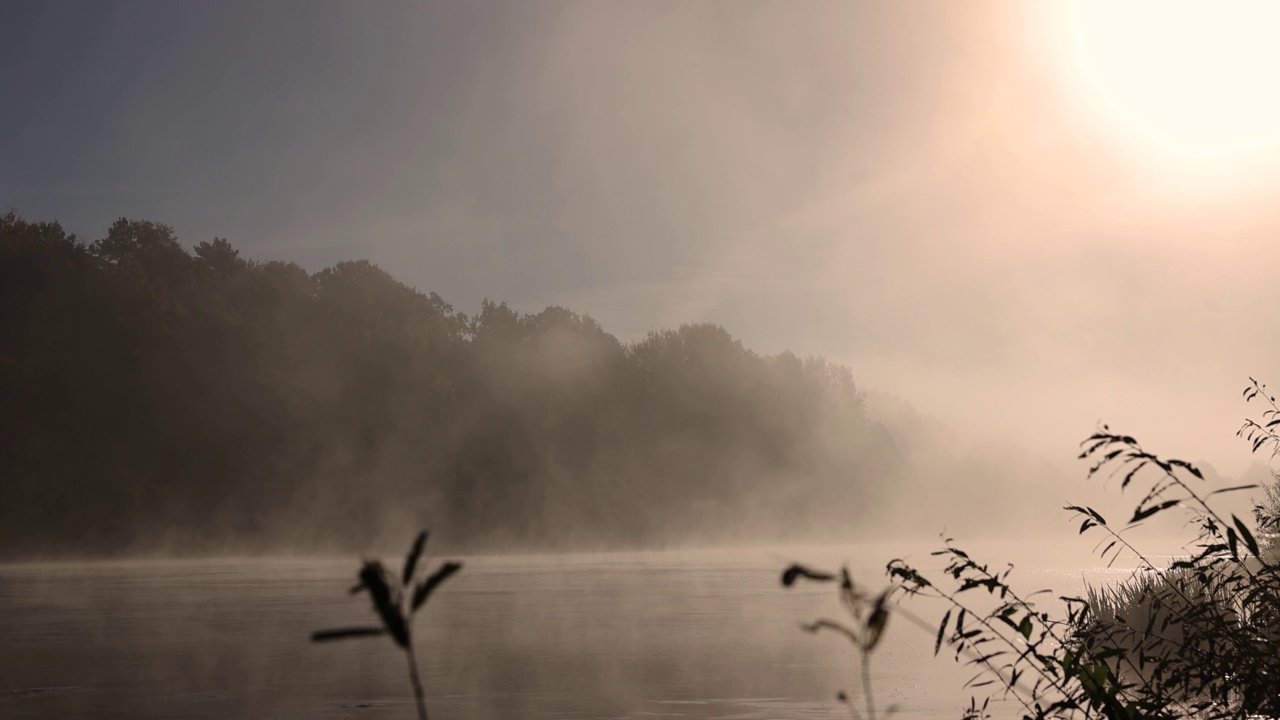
[957,204]
[640,308]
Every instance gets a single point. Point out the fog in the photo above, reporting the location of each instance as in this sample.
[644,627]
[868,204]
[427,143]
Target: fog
[235,406]
[931,198]
[570,277]
[937,200]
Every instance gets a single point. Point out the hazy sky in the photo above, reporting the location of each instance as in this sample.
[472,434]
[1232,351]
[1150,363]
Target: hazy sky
[1023,218]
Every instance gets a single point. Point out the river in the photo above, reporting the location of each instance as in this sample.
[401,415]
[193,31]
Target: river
[692,634]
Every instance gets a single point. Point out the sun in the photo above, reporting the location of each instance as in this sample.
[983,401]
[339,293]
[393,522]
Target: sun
[1197,79]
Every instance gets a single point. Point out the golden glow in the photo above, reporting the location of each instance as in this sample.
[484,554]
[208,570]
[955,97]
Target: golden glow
[1198,79]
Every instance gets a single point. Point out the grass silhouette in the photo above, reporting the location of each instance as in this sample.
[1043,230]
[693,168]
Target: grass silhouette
[395,600]
[1196,639]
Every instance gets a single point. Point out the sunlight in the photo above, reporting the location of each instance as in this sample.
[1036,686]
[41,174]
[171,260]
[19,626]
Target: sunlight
[1195,79]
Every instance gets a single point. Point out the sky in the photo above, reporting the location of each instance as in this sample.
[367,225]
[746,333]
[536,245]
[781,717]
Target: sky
[1023,218]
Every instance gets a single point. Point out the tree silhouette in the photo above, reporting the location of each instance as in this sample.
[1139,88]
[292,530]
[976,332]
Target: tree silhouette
[150,393]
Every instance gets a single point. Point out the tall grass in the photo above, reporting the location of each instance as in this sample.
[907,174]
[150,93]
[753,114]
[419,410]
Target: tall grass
[1198,639]
[1157,620]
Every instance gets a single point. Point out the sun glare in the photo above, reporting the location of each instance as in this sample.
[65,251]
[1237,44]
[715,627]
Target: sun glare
[1198,79]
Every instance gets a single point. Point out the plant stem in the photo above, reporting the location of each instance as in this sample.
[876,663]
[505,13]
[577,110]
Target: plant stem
[866,684]
[416,682]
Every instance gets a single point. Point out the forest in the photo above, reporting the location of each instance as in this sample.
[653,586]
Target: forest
[160,398]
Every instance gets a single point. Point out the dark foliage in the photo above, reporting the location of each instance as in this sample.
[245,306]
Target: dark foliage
[1194,639]
[153,396]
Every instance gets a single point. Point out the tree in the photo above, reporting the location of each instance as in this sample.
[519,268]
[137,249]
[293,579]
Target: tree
[198,398]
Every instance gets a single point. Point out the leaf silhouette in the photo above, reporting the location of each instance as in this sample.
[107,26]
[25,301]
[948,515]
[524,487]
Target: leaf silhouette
[373,577]
[424,590]
[824,624]
[796,571]
[1246,536]
[942,628]
[875,624]
[343,633]
[1144,513]
[411,561]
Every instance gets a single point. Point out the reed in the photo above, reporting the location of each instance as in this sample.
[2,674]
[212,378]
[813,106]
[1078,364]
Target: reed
[1198,639]
[395,600]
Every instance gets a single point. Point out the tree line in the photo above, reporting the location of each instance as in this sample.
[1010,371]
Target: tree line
[158,397]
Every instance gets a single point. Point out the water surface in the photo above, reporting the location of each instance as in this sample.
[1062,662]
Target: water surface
[706,634]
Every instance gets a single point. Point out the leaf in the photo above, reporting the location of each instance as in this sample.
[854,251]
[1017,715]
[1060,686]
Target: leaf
[1143,513]
[824,624]
[1025,628]
[1188,467]
[1245,535]
[942,628]
[876,623]
[797,571]
[1128,478]
[1087,511]
[411,561]
[848,596]
[1250,486]
[373,577]
[343,633]
[424,590]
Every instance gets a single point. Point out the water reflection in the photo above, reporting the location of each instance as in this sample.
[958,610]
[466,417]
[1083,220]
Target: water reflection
[691,635]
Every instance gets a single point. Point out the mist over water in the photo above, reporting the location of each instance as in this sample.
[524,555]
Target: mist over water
[241,407]
[696,634]
[632,305]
